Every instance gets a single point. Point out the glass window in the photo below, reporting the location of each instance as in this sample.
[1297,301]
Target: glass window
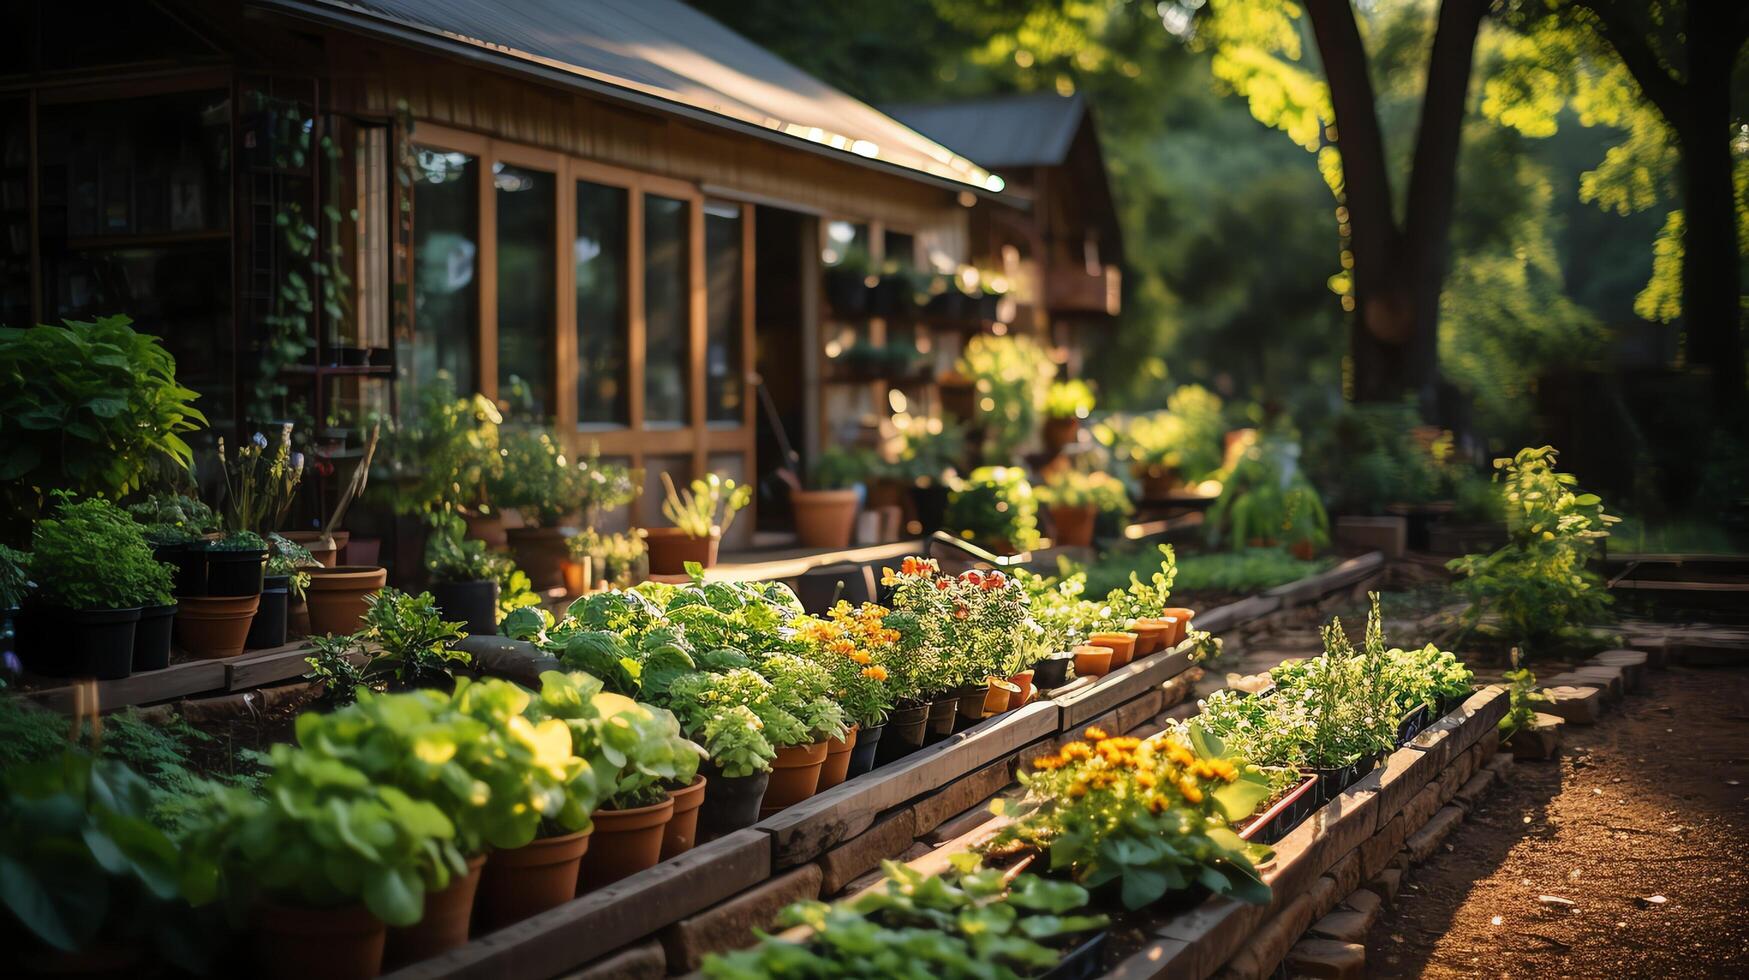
[665,309]
[527,292]
[722,261]
[845,242]
[900,248]
[600,253]
[446,288]
[15,275]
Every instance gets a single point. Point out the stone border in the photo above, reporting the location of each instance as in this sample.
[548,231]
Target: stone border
[833,842]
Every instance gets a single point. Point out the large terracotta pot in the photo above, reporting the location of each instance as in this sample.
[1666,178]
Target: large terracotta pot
[795,776]
[209,627]
[328,553]
[837,767]
[1151,635]
[579,574]
[540,552]
[295,943]
[1072,527]
[1092,661]
[824,518]
[337,595]
[670,549]
[1181,628]
[1121,645]
[682,830]
[626,842]
[526,880]
[444,926]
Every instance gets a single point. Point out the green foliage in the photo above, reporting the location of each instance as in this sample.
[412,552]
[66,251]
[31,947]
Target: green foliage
[964,629]
[451,556]
[341,666]
[621,558]
[239,541]
[441,459]
[535,479]
[171,518]
[804,689]
[931,449]
[1246,570]
[1424,677]
[92,408]
[634,749]
[1148,817]
[1266,499]
[414,644]
[1372,456]
[995,508]
[840,468]
[1072,399]
[1010,375]
[734,741]
[1523,696]
[1540,584]
[1186,437]
[288,558]
[1069,486]
[260,486]
[14,577]
[696,509]
[958,926]
[91,555]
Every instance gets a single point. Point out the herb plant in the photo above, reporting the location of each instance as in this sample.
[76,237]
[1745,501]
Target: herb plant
[634,749]
[260,485]
[441,459]
[91,555]
[173,519]
[416,645]
[1265,499]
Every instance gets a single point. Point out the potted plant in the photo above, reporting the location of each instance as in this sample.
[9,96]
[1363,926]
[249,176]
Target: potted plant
[320,893]
[94,573]
[1075,499]
[288,576]
[546,489]
[701,515]
[738,767]
[621,559]
[236,564]
[339,596]
[1267,500]
[1066,404]
[177,528]
[825,512]
[463,575]
[929,455]
[442,459]
[1010,375]
[994,507]
[801,689]
[1181,444]
[849,642]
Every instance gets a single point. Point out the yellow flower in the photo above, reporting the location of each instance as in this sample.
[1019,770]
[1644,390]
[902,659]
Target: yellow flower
[875,673]
[1192,794]
[1094,734]
[861,657]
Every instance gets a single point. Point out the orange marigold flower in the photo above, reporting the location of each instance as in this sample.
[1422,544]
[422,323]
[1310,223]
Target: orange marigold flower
[1192,793]
[875,673]
[860,657]
[1094,734]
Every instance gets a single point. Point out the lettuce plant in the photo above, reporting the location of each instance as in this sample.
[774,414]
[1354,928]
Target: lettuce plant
[634,749]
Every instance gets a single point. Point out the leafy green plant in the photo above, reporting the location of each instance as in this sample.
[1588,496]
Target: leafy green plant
[840,468]
[170,518]
[970,629]
[1342,698]
[970,923]
[239,541]
[1072,399]
[415,644]
[1265,499]
[803,688]
[930,449]
[92,408]
[1071,487]
[340,665]
[14,577]
[259,486]
[695,511]
[91,555]
[1010,375]
[1523,695]
[1539,585]
[451,556]
[995,507]
[1147,816]
[441,459]
[621,558]
[1186,438]
[735,742]
[1374,455]
[634,749]
[1425,676]
[534,478]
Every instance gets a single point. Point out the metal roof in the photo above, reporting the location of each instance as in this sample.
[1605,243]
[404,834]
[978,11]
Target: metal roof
[1032,130]
[662,54]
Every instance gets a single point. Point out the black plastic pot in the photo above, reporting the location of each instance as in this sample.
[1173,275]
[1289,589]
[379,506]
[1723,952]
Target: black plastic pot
[1052,671]
[1083,962]
[473,604]
[189,560]
[268,628]
[942,712]
[862,755]
[971,706]
[152,638]
[1276,822]
[931,504]
[1413,724]
[731,804]
[903,734]
[235,572]
[1331,782]
[78,642]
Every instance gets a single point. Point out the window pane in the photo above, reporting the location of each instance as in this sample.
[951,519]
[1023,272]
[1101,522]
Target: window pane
[600,256]
[527,293]
[722,261]
[446,288]
[15,281]
[665,309]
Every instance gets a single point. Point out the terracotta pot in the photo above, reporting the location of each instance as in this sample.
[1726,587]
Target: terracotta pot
[626,842]
[297,619]
[210,627]
[1022,680]
[1072,527]
[1181,626]
[995,699]
[445,923]
[1122,646]
[670,549]
[682,830]
[824,518]
[336,597]
[1158,482]
[795,776]
[1092,661]
[579,575]
[837,767]
[1303,550]
[538,876]
[294,943]
[327,553]
[1060,433]
[1151,635]
[540,552]
[486,527]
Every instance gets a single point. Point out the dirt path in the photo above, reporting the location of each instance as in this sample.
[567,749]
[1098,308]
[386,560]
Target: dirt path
[1654,801]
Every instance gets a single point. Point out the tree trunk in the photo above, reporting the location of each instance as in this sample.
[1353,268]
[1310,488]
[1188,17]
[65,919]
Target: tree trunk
[1711,278]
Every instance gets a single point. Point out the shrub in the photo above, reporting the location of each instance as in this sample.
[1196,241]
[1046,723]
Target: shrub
[1186,437]
[92,408]
[91,555]
[170,518]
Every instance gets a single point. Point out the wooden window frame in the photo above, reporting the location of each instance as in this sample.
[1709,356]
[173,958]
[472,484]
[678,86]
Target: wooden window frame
[636,441]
